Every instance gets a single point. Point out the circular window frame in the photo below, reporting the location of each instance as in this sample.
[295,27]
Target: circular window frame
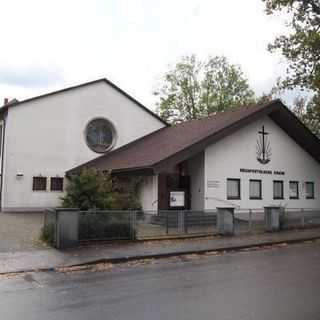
[113,130]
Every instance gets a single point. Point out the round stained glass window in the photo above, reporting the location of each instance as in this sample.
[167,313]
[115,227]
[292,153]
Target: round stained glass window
[100,135]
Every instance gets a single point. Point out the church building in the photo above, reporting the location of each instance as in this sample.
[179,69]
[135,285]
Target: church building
[45,136]
[249,157]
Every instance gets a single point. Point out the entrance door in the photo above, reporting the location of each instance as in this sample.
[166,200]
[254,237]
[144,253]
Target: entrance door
[172,182]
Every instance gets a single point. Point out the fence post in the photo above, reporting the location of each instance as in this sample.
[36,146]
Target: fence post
[167,223]
[226,221]
[250,220]
[181,221]
[302,218]
[133,219]
[185,222]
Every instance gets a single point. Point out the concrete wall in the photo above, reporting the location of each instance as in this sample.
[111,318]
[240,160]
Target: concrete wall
[46,137]
[148,193]
[225,159]
[196,172]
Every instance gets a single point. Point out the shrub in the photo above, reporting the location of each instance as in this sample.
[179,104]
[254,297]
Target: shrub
[47,234]
[92,189]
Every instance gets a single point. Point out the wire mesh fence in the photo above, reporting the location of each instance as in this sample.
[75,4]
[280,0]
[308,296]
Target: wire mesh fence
[249,220]
[140,225]
[299,218]
[106,225]
[155,224]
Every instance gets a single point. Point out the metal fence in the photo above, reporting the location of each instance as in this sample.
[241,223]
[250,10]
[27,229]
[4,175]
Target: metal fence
[249,220]
[158,224]
[106,225]
[299,218]
[138,225]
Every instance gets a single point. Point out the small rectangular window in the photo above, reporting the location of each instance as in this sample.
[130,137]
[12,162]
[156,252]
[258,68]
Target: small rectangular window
[309,190]
[233,189]
[294,190]
[277,189]
[39,184]
[56,184]
[255,189]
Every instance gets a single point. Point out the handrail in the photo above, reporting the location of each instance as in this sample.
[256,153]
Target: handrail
[222,200]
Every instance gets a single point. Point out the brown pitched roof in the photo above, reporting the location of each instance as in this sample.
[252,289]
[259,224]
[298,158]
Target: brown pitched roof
[171,145]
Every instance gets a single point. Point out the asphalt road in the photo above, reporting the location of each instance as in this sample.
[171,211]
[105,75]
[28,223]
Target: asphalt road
[282,283]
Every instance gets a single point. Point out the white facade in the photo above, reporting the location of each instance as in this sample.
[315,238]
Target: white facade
[197,187]
[234,157]
[46,137]
[148,193]
[227,157]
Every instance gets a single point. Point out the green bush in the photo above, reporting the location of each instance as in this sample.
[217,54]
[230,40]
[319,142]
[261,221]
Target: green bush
[47,234]
[93,189]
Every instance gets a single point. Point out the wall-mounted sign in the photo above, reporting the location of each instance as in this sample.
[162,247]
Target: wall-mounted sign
[177,199]
[263,148]
[213,184]
[258,171]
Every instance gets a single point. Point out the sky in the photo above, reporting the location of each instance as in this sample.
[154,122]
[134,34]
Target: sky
[48,45]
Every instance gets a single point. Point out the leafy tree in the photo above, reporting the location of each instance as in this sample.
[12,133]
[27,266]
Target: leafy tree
[92,189]
[301,47]
[194,89]
[308,111]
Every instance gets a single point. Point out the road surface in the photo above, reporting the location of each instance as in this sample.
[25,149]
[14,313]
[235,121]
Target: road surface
[281,283]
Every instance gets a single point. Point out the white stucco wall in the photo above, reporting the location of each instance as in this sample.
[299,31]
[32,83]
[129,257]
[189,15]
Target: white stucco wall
[46,137]
[196,172]
[148,193]
[225,158]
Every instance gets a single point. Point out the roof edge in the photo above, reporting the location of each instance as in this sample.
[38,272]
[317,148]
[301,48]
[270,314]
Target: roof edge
[105,80]
[268,108]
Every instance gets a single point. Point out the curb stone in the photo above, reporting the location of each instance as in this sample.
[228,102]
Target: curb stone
[164,255]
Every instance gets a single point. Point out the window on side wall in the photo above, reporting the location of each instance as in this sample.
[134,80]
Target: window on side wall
[309,190]
[278,190]
[294,190]
[39,184]
[233,189]
[56,184]
[255,189]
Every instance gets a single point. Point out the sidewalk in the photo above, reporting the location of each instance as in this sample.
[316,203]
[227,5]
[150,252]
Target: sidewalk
[50,259]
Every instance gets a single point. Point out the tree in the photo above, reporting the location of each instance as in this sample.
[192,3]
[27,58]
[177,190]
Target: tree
[194,89]
[308,111]
[302,46]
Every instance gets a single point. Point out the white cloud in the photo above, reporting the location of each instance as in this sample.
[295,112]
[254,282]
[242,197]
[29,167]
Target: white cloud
[131,42]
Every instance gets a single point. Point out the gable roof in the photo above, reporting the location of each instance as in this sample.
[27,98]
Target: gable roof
[170,145]
[15,102]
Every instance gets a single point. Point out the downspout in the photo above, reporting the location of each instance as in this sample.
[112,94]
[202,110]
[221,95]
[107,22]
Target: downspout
[2,156]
